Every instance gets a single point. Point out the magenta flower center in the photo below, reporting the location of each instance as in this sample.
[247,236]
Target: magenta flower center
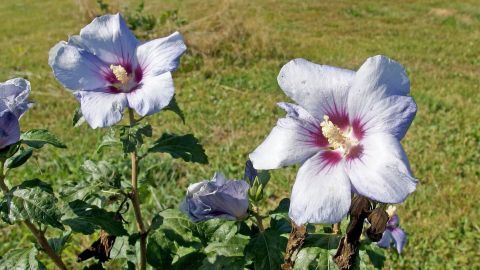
[122,78]
[337,138]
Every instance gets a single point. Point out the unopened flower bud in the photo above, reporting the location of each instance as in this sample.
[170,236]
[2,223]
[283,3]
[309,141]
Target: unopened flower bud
[378,223]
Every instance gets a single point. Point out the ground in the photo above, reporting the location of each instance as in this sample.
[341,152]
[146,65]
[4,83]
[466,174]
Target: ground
[227,87]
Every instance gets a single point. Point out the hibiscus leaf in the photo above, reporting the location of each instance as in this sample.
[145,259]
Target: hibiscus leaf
[266,249]
[24,258]
[34,201]
[58,243]
[108,140]
[173,106]
[185,147]
[317,252]
[86,218]
[132,137]
[17,160]
[37,138]
[160,250]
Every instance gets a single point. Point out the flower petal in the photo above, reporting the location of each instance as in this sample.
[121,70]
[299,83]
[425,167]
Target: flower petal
[393,115]
[109,38]
[386,239]
[154,94]
[101,109]
[400,239]
[161,55]
[322,191]
[381,171]
[320,89]
[9,128]
[76,68]
[294,139]
[380,76]
[14,96]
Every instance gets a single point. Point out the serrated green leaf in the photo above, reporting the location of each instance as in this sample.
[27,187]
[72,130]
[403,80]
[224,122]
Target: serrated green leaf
[21,259]
[266,250]
[37,138]
[173,106]
[314,258]
[108,140]
[185,147]
[132,137]
[317,252]
[191,260]
[20,157]
[33,200]
[58,243]
[232,247]
[222,262]
[87,218]
[160,250]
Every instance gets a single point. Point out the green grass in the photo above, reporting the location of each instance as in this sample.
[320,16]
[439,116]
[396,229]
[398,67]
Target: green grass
[227,88]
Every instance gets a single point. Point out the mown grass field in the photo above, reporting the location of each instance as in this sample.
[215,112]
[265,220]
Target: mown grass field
[227,89]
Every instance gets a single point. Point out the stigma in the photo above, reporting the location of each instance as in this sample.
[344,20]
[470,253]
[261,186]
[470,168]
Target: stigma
[335,136]
[120,73]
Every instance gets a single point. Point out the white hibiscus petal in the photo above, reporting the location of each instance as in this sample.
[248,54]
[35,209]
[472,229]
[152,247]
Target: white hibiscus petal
[381,171]
[77,69]
[101,109]
[154,94]
[161,55]
[14,96]
[294,139]
[320,89]
[392,115]
[382,77]
[322,191]
[109,38]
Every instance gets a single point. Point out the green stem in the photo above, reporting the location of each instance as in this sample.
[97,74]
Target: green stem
[258,218]
[136,202]
[39,235]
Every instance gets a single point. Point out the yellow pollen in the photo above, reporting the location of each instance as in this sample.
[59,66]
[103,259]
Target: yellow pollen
[120,73]
[333,134]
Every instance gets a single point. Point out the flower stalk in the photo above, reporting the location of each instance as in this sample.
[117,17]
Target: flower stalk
[136,202]
[39,234]
[258,219]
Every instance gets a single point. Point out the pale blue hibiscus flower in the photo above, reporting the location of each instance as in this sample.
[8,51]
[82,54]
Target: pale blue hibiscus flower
[218,198]
[346,132]
[108,69]
[13,104]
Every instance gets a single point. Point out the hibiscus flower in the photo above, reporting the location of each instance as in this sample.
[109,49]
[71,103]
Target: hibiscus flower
[346,132]
[108,69]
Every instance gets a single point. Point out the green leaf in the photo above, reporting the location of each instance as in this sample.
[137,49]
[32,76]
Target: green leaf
[132,137]
[87,218]
[185,147]
[160,250]
[314,258]
[279,219]
[317,252]
[9,151]
[37,138]
[21,259]
[233,247]
[222,262]
[108,140]
[33,200]
[19,158]
[266,250]
[78,118]
[102,171]
[173,106]
[58,243]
